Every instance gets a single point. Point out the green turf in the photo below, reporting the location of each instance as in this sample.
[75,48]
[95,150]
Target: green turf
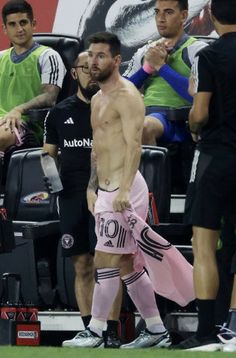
[51,352]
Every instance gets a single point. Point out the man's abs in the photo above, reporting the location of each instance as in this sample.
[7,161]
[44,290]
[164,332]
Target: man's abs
[110,170]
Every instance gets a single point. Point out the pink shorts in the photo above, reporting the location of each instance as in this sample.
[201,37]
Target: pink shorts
[112,230]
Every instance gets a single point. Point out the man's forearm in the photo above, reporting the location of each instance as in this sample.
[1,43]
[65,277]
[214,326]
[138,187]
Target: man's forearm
[41,101]
[131,165]
[195,128]
[177,81]
[138,77]
[52,150]
[196,121]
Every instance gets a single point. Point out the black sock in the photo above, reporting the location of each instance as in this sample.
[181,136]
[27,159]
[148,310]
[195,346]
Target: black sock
[231,322]
[112,326]
[206,318]
[86,320]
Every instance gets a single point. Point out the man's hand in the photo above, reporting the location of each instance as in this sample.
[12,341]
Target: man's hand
[156,56]
[121,202]
[195,137]
[192,88]
[91,199]
[12,120]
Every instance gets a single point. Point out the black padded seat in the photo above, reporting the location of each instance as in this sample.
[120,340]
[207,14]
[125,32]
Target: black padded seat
[68,47]
[36,228]
[155,168]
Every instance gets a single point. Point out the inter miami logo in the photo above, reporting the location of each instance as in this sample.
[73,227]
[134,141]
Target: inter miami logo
[67,241]
[131,221]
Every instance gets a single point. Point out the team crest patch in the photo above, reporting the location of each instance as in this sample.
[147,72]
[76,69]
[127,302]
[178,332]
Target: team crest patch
[67,241]
[37,198]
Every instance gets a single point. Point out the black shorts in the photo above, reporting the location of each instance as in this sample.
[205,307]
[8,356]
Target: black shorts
[211,192]
[77,225]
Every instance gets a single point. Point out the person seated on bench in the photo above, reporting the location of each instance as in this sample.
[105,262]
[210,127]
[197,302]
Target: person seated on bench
[31,76]
[162,68]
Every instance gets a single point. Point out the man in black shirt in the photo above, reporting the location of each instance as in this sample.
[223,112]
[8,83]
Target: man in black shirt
[67,126]
[211,193]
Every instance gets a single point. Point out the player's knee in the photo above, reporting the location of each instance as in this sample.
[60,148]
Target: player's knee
[101,260]
[106,260]
[152,130]
[83,265]
[126,265]
[148,126]
[201,250]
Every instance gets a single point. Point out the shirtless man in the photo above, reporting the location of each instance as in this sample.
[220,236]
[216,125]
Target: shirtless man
[115,161]
[76,222]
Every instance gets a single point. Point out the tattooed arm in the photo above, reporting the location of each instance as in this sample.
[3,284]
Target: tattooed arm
[51,71]
[93,184]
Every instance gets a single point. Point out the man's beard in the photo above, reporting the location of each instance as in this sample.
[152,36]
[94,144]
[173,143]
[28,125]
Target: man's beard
[89,91]
[101,76]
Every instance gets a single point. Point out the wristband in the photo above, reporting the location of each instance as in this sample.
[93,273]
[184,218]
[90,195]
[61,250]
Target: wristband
[148,69]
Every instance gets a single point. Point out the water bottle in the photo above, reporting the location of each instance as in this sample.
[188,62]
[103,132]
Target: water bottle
[51,173]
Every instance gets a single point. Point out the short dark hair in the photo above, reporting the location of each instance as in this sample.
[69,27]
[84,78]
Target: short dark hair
[224,11]
[183,4]
[77,58]
[15,6]
[106,38]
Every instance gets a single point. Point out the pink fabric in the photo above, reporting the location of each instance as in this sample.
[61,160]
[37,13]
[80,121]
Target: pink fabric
[139,198]
[170,273]
[107,285]
[137,283]
[112,229]
[113,234]
[19,135]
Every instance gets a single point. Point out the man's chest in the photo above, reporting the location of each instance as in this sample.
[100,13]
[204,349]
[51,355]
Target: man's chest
[104,113]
